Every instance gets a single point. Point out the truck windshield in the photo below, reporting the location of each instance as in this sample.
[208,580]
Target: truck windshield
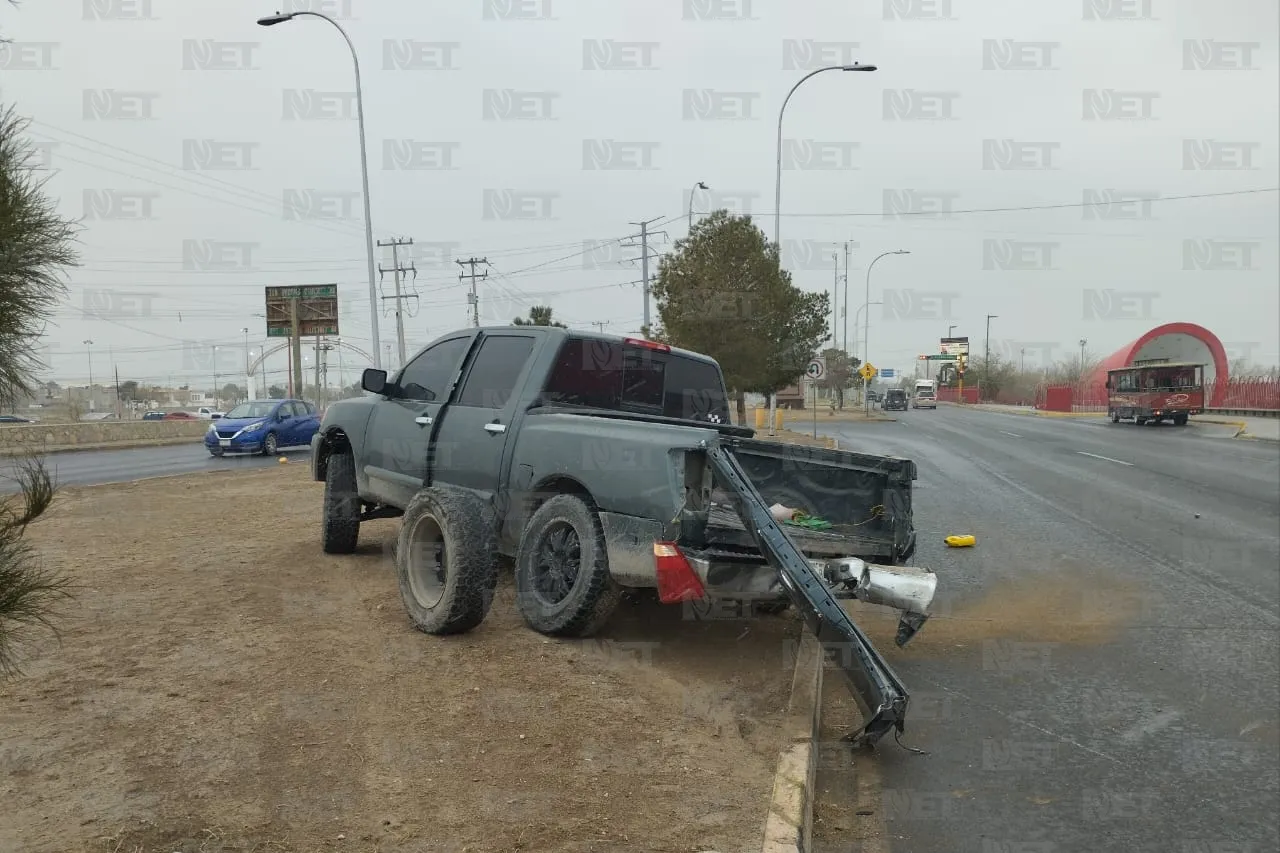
[603,374]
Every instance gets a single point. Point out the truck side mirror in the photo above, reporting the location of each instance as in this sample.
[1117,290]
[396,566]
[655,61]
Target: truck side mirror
[373,380]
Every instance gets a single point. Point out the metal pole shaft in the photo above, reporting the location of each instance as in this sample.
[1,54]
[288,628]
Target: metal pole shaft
[644,269]
[395,261]
[364,180]
[845,301]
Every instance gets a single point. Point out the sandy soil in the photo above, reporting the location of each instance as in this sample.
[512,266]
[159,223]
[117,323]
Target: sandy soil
[223,685]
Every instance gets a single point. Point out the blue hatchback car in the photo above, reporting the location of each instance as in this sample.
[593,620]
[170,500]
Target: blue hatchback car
[263,426]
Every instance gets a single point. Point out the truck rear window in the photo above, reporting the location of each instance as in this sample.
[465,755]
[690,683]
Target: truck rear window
[610,375]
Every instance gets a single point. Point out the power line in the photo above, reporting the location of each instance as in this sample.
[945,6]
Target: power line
[1064,205]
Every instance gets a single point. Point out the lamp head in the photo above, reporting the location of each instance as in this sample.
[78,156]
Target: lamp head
[272,20]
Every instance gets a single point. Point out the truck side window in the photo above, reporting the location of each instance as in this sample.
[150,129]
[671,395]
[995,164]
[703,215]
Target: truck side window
[494,372]
[426,377]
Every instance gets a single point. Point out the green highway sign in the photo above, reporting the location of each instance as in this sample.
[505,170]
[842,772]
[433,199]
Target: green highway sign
[938,357]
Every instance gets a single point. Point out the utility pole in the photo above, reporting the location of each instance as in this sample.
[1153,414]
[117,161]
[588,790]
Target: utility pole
[472,297]
[397,268]
[601,324]
[295,347]
[119,402]
[644,263]
[322,369]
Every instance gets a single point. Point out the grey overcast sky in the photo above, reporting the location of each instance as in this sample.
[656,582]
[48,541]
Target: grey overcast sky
[211,157]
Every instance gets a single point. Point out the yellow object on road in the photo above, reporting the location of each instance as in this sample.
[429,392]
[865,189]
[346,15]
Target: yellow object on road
[967,540]
[283,459]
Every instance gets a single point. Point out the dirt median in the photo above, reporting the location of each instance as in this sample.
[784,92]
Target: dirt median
[223,685]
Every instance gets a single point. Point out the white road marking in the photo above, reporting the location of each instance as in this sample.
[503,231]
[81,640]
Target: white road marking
[1106,458]
[1014,434]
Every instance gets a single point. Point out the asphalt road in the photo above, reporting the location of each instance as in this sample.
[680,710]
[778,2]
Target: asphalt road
[93,467]
[1104,669]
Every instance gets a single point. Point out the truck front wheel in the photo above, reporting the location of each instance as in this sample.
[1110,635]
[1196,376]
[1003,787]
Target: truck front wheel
[340,524]
[563,585]
[444,560]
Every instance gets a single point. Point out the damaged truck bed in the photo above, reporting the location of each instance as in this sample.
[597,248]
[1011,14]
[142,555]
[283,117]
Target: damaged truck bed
[595,463]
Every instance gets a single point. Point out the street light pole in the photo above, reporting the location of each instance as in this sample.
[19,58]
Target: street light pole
[777,191]
[844,313]
[88,345]
[248,377]
[986,348]
[374,307]
[856,320]
[866,330]
[698,186]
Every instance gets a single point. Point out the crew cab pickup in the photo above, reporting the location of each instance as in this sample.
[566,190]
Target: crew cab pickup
[595,463]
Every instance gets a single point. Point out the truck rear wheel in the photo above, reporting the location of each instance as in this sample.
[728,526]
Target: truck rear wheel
[340,523]
[563,585]
[444,561]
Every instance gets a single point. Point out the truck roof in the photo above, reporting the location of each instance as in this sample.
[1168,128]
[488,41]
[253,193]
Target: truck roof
[556,331]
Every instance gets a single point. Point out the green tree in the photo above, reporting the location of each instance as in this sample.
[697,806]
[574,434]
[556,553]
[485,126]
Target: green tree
[36,247]
[539,315]
[722,292]
[275,392]
[839,374]
[128,390]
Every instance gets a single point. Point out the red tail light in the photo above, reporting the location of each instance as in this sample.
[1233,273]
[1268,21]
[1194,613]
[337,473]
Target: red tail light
[641,342]
[677,580]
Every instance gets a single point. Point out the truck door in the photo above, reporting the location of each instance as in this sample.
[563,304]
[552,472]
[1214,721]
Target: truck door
[473,429]
[399,433]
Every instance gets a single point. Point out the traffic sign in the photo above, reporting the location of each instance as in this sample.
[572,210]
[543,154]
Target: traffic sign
[955,346]
[868,371]
[888,373]
[937,357]
[816,369]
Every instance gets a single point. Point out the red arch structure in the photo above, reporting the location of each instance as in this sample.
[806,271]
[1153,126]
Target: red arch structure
[1176,342]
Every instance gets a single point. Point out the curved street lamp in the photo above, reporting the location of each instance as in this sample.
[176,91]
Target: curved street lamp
[280,18]
[777,192]
[698,186]
[866,329]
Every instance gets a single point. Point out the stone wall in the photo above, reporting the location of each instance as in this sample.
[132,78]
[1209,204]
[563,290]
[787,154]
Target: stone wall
[37,437]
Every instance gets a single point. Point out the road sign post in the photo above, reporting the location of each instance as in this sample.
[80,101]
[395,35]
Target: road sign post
[868,372]
[815,371]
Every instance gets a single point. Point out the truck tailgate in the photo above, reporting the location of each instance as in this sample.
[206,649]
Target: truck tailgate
[880,695]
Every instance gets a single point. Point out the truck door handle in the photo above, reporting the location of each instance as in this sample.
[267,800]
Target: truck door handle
[495,428]
[423,420]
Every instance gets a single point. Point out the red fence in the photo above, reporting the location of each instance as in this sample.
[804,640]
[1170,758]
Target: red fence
[1257,394]
[952,395]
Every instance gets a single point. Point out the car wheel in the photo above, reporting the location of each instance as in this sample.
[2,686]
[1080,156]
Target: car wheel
[444,560]
[563,585]
[1180,420]
[270,445]
[1140,421]
[340,522]
[1115,416]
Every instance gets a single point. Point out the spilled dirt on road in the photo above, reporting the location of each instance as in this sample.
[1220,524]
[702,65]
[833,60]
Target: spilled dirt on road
[1074,607]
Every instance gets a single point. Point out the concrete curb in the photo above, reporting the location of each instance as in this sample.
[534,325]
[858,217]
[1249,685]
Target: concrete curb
[110,445]
[789,825]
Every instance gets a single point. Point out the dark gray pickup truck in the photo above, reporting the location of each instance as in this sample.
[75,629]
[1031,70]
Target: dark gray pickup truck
[595,463]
